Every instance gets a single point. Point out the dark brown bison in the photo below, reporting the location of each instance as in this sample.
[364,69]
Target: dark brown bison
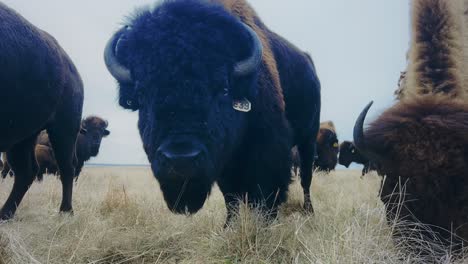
[349,154]
[327,149]
[46,160]
[93,129]
[41,89]
[221,98]
[421,143]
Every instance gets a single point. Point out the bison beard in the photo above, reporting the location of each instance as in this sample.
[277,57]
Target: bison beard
[182,66]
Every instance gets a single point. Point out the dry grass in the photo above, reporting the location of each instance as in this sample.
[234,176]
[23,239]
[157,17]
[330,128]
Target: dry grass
[120,217]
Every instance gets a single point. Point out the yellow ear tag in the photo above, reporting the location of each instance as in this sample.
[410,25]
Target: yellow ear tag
[335,145]
[243,105]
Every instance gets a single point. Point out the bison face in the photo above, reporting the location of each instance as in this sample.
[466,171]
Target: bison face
[186,74]
[327,150]
[93,129]
[349,154]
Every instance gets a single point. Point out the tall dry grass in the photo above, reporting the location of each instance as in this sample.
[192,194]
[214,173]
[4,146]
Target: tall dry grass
[120,217]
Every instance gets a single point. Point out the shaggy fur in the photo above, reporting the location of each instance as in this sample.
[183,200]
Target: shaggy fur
[420,144]
[41,89]
[424,142]
[349,154]
[188,105]
[436,53]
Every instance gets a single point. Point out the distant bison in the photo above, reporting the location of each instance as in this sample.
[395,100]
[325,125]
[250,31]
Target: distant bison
[327,149]
[46,160]
[349,154]
[221,98]
[40,89]
[422,141]
[93,129]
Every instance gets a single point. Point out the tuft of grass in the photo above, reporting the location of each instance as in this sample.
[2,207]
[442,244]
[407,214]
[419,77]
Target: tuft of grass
[120,217]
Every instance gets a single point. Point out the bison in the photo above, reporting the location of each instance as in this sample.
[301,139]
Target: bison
[327,149]
[41,89]
[421,143]
[221,98]
[93,129]
[349,154]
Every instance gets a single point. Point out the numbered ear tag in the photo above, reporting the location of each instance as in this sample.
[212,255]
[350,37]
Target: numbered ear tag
[243,105]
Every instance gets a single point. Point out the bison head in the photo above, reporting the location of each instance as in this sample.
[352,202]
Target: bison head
[188,67]
[327,149]
[349,153]
[422,144]
[93,129]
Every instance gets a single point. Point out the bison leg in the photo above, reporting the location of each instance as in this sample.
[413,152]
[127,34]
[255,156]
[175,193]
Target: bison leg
[63,144]
[307,154]
[22,161]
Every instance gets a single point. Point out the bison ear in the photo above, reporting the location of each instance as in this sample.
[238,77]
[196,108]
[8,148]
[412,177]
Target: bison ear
[106,132]
[83,131]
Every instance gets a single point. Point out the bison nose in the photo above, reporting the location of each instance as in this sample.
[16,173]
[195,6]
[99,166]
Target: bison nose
[178,151]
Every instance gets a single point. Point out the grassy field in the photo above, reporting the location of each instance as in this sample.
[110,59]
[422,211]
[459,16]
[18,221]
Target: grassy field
[120,217]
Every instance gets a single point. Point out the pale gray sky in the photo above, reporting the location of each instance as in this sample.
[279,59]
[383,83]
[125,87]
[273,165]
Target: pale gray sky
[358,46]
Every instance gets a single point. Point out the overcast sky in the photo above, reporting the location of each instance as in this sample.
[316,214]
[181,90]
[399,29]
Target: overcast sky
[358,47]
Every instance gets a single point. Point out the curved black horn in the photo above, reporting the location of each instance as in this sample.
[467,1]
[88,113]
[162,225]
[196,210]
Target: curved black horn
[250,64]
[359,137]
[120,72]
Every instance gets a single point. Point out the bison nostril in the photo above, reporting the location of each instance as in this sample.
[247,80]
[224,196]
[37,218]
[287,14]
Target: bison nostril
[179,151]
[175,155]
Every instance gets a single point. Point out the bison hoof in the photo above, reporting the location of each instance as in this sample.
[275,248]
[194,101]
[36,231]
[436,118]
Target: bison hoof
[5,216]
[66,209]
[308,208]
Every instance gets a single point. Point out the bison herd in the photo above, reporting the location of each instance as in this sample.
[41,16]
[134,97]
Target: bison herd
[223,99]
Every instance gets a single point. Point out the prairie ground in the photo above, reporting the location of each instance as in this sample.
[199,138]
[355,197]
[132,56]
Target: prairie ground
[120,217]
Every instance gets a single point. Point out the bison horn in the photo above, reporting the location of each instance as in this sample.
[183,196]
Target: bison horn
[120,72]
[249,65]
[359,138]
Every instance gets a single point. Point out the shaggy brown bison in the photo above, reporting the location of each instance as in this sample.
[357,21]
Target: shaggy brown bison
[221,98]
[349,154]
[421,143]
[93,129]
[45,160]
[327,149]
[41,89]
